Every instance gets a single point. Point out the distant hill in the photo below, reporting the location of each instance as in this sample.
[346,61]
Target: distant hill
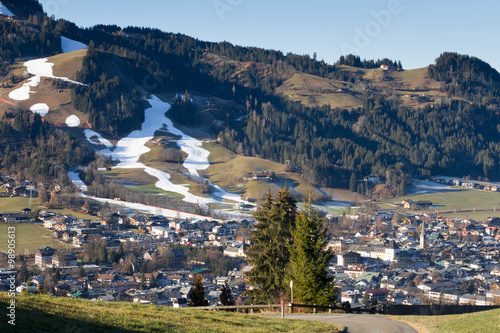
[42,313]
[330,122]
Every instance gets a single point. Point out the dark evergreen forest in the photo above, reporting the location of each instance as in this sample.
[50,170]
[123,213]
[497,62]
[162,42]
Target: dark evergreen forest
[327,145]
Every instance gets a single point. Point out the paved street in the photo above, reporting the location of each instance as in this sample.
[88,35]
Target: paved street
[358,323]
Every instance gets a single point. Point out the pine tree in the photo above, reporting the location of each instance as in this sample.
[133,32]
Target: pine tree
[269,253]
[366,298]
[353,183]
[309,259]
[470,287]
[225,296]
[81,271]
[152,281]
[197,294]
[23,273]
[142,285]
[463,287]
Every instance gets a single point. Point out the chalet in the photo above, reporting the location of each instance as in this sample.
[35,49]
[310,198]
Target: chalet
[180,225]
[373,179]
[149,255]
[219,230]
[419,204]
[64,259]
[348,258]
[106,278]
[377,294]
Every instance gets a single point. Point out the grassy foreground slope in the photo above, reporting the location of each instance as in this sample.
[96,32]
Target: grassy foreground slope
[479,322]
[42,313]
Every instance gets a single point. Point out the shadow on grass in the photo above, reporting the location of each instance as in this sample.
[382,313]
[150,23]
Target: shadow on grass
[34,321]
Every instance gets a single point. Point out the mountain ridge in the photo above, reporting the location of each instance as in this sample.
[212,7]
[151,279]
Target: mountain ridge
[330,122]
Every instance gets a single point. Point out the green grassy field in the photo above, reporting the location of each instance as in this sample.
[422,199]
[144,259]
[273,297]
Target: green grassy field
[29,238]
[16,204]
[457,200]
[42,313]
[479,322]
[228,169]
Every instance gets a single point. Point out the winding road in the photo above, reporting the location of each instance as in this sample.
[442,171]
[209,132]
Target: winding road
[358,323]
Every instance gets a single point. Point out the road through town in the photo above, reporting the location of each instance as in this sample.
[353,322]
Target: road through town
[358,323]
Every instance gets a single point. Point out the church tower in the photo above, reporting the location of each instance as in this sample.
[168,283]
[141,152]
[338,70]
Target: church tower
[422,236]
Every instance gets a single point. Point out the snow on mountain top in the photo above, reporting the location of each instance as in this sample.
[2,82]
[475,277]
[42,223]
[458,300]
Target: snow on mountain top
[5,11]
[69,45]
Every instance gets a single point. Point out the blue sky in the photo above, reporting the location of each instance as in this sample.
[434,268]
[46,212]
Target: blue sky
[415,32]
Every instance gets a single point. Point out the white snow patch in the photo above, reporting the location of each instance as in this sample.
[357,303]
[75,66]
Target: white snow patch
[427,187]
[40,108]
[92,134]
[40,68]
[75,178]
[72,121]
[154,210]
[23,93]
[5,11]
[69,45]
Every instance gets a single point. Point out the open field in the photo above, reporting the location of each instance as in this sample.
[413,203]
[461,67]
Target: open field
[37,313]
[316,91]
[16,204]
[29,238]
[227,170]
[479,322]
[459,199]
[131,177]
[67,64]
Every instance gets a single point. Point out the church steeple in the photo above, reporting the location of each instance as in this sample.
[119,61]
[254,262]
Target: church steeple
[422,236]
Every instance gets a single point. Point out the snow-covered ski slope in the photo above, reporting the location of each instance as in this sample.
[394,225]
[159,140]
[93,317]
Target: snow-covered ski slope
[129,149]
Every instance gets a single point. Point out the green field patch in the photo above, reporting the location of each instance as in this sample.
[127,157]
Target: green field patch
[37,313]
[16,204]
[29,238]
[479,322]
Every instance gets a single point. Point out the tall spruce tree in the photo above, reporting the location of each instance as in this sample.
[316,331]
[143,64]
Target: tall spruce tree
[197,294]
[309,259]
[270,253]
[225,296]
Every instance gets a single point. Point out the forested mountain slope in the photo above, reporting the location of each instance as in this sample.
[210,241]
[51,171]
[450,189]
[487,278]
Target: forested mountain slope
[330,122]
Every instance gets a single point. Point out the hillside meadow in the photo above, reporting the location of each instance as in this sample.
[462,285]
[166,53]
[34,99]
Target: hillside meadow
[42,313]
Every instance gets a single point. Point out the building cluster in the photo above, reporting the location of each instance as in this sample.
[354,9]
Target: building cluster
[420,259]
[392,258]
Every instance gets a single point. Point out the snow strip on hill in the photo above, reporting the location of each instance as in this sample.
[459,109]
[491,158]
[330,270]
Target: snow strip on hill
[75,178]
[426,187]
[129,149]
[90,134]
[5,11]
[69,45]
[40,68]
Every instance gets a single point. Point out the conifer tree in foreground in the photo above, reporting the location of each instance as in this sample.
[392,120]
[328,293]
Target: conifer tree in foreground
[309,259]
[270,253]
[197,294]
[225,296]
